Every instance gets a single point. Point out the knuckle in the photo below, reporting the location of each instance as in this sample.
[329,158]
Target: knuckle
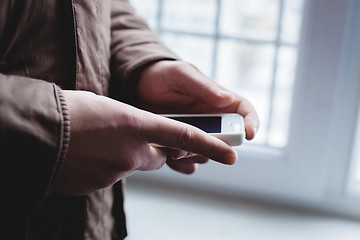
[185,137]
[127,163]
[128,166]
[134,124]
[212,150]
[179,66]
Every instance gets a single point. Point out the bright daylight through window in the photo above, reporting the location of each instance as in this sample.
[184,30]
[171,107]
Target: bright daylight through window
[356,156]
[249,47]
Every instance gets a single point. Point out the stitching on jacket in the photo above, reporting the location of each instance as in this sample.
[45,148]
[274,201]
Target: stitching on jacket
[64,136]
[26,69]
[85,216]
[76,45]
[99,70]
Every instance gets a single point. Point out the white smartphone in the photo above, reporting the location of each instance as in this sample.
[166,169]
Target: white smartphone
[228,127]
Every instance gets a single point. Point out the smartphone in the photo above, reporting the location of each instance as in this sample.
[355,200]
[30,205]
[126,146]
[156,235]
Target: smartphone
[228,127]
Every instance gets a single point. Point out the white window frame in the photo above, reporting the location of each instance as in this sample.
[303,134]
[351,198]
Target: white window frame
[313,169]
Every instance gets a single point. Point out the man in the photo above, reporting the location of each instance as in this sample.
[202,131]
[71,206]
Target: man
[65,144]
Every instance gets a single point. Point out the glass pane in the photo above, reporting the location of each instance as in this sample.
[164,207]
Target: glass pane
[291,21]
[285,75]
[197,50]
[250,19]
[147,9]
[247,70]
[189,15]
[356,153]
[357,159]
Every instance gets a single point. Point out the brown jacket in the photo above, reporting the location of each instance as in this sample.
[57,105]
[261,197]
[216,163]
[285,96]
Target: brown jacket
[45,46]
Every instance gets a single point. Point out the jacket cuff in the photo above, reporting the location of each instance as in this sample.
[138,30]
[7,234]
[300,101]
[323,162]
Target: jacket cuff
[64,137]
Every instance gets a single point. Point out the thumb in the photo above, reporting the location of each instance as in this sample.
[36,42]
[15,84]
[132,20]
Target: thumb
[153,158]
[207,90]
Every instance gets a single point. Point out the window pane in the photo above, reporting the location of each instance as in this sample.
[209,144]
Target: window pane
[148,10]
[356,156]
[189,15]
[251,19]
[357,159]
[247,70]
[291,21]
[285,74]
[197,50]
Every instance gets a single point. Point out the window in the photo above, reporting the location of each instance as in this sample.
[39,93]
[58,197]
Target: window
[298,62]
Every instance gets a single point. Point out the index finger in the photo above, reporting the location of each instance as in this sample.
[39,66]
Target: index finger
[174,134]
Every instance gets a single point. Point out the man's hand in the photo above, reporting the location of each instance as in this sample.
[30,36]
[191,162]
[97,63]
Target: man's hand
[178,87]
[110,140]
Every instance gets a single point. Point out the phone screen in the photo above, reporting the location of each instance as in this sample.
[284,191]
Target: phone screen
[209,124]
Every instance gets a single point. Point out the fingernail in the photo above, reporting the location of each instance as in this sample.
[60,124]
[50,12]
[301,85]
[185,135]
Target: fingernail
[227,98]
[223,93]
[233,158]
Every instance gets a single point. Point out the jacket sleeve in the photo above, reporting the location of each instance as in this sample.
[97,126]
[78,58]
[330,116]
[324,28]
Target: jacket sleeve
[34,134]
[133,47]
